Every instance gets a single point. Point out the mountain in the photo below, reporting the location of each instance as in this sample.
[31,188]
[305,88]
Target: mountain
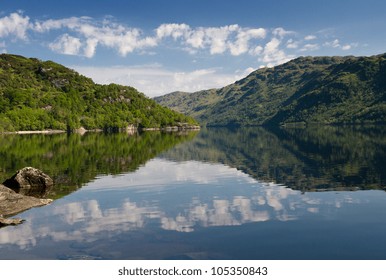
[36,95]
[327,90]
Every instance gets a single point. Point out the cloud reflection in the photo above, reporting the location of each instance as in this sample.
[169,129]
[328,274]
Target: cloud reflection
[213,195]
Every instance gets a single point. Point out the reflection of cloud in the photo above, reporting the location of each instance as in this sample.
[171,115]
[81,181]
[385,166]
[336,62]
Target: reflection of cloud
[313,210]
[245,201]
[159,173]
[219,213]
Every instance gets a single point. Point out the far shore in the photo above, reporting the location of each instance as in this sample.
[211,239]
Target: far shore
[82,130]
[35,132]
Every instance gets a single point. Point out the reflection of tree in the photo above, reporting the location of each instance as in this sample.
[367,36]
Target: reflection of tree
[312,158]
[73,160]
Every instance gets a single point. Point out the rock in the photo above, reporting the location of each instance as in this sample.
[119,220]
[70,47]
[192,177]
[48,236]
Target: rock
[12,203]
[30,181]
[10,222]
[81,130]
[21,192]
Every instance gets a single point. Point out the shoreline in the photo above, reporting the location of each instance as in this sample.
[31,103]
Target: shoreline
[34,132]
[83,130]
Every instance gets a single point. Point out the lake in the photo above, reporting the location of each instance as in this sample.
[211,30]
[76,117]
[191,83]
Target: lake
[220,193]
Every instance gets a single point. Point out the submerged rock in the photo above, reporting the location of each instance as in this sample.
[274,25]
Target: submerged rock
[31,182]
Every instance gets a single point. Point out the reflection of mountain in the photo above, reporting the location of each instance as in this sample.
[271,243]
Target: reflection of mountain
[134,204]
[73,160]
[312,158]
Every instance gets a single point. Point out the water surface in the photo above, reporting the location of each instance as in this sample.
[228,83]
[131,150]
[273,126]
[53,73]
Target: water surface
[254,193]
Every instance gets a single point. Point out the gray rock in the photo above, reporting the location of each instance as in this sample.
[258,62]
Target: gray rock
[31,182]
[23,191]
[9,222]
[12,203]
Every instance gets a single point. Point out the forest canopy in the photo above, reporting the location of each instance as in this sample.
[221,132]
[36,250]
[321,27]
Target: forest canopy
[37,95]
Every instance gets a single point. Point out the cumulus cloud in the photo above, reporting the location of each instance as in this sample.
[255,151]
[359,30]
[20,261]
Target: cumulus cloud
[66,44]
[272,54]
[217,40]
[14,25]
[83,36]
[91,34]
[173,30]
[90,47]
[243,37]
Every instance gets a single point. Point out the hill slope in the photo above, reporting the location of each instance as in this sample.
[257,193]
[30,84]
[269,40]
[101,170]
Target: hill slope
[304,90]
[36,95]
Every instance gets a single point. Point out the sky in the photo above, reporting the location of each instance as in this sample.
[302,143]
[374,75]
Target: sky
[161,46]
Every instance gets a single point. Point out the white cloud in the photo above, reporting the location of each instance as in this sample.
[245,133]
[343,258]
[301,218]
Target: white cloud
[291,44]
[66,44]
[196,39]
[281,32]
[172,30]
[83,36]
[15,24]
[336,44]
[90,48]
[52,24]
[272,55]
[256,51]
[243,37]
[310,37]
[309,47]
[91,33]
[153,80]
[217,40]
[346,47]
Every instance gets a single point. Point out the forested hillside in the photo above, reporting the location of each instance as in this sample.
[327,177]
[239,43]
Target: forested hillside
[36,95]
[328,90]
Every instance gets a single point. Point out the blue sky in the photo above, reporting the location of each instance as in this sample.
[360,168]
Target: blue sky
[162,46]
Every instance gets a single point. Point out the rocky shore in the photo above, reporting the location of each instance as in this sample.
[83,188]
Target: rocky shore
[131,129]
[26,189]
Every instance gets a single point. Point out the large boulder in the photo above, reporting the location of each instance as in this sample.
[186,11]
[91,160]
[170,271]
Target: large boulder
[23,191]
[12,203]
[30,181]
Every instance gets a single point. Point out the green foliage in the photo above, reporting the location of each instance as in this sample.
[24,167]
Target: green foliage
[37,95]
[327,90]
[73,160]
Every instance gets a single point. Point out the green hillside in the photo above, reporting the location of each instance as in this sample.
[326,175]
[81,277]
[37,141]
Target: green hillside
[36,95]
[327,90]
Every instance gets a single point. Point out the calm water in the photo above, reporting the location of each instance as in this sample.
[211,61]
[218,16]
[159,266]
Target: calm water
[315,193]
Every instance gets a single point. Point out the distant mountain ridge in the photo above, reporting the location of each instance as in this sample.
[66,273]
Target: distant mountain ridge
[328,90]
[38,95]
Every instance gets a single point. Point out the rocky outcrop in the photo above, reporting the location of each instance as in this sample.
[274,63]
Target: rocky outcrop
[9,222]
[30,181]
[23,191]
